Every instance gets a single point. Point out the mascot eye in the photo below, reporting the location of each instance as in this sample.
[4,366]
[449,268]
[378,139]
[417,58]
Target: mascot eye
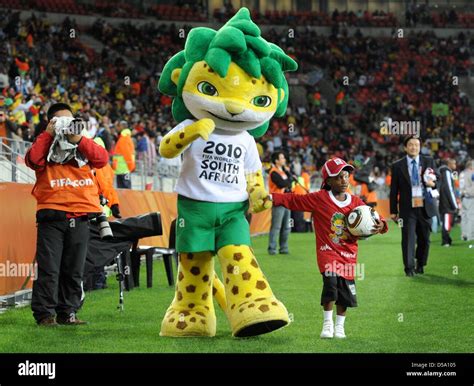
[207,89]
[262,101]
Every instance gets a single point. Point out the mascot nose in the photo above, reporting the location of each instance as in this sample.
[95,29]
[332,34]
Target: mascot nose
[234,108]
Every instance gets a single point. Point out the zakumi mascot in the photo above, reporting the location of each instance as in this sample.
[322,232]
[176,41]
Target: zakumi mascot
[226,85]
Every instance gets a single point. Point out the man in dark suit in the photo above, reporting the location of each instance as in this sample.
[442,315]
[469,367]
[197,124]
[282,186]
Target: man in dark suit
[412,205]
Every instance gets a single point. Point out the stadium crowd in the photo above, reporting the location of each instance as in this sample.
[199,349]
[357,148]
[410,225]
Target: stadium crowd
[192,10]
[388,79]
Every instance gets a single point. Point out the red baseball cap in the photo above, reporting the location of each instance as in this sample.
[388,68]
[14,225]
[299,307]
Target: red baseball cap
[333,167]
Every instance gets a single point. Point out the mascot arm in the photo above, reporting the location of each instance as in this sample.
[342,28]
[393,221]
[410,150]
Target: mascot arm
[175,142]
[259,197]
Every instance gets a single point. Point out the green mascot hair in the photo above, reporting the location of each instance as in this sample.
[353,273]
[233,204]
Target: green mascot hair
[239,41]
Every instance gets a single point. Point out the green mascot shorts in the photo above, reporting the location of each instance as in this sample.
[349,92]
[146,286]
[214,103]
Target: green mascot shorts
[208,226]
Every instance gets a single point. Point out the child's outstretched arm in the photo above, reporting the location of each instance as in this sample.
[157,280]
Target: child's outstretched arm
[306,202]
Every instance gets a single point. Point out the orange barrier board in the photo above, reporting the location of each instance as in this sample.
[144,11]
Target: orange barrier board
[18,228]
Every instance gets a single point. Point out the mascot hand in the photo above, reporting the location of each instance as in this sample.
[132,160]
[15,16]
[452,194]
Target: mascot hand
[259,200]
[202,128]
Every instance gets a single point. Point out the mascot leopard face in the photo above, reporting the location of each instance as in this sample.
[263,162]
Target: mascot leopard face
[232,76]
[235,102]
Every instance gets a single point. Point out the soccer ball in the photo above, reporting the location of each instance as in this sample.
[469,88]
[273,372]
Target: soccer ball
[361,220]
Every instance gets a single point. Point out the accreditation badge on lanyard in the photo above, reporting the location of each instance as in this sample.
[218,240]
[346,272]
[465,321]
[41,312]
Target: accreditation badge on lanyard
[417,196]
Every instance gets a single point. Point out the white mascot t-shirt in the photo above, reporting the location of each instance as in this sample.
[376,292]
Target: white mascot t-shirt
[214,170]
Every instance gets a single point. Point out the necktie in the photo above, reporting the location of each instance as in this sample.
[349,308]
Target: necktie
[414,174]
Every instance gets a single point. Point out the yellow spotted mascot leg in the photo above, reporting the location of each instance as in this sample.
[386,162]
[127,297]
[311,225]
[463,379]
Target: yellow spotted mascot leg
[252,309]
[192,311]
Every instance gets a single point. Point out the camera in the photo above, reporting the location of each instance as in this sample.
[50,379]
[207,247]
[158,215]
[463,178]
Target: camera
[69,125]
[104,227]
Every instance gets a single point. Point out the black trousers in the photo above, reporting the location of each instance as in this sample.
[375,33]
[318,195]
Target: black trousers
[299,224]
[61,251]
[416,231]
[124,181]
[447,220]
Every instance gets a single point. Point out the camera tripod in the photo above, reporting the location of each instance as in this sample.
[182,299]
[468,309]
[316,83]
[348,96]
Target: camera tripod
[120,278]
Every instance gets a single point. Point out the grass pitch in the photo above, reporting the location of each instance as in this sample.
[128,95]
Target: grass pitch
[433,312]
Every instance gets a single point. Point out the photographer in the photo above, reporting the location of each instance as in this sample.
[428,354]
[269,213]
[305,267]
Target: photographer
[300,185]
[105,181]
[279,181]
[67,196]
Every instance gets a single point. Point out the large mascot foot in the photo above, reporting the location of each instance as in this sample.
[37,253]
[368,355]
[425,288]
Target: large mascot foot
[252,309]
[192,311]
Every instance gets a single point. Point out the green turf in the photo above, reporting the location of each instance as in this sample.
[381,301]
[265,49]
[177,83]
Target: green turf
[429,313]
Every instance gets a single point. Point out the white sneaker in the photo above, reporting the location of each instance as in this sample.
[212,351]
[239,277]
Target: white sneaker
[328,329]
[339,331]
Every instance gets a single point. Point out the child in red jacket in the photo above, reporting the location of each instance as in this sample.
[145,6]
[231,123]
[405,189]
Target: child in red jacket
[336,248]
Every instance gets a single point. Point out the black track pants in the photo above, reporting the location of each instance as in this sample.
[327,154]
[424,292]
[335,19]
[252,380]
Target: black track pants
[60,254]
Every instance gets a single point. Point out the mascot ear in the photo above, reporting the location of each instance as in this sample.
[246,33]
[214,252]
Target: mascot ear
[175,75]
[281,95]
[166,84]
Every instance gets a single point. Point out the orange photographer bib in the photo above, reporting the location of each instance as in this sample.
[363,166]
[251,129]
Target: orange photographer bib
[67,188]
[273,188]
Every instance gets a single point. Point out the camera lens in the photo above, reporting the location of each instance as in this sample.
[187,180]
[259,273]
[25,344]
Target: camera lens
[104,228]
